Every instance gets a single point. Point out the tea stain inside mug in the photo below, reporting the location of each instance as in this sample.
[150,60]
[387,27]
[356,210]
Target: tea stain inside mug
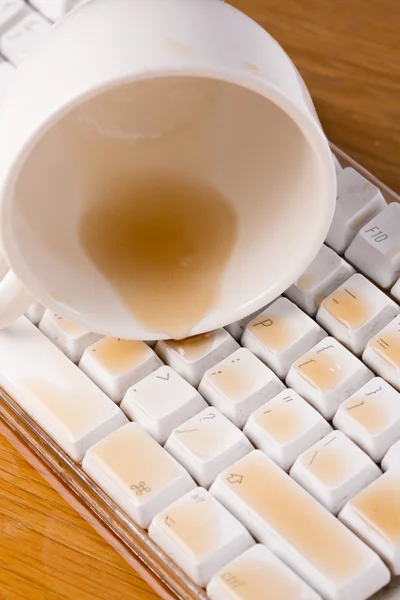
[162,241]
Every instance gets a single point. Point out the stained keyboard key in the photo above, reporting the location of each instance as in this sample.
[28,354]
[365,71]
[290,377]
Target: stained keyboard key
[71,338]
[374,514]
[382,353]
[327,375]
[355,312]
[237,329]
[207,444]
[137,473]
[162,401]
[53,391]
[376,249]
[281,334]
[284,427]
[299,530]
[239,385]
[358,201]
[325,274]
[371,417]
[115,364]
[251,574]
[334,470]
[193,356]
[199,534]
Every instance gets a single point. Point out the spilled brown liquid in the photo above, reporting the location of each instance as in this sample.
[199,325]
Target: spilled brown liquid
[248,579]
[350,308]
[378,506]
[282,422]
[162,241]
[370,413]
[293,515]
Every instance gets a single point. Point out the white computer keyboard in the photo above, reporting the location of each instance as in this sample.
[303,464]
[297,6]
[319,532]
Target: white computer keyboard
[256,462]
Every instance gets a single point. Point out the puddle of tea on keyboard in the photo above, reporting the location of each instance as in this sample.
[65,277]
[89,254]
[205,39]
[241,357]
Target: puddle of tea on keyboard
[162,241]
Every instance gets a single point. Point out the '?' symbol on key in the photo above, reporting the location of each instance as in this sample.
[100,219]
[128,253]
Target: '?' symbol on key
[234,478]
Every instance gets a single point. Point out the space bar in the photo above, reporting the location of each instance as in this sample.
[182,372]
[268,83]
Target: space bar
[54,391]
[284,517]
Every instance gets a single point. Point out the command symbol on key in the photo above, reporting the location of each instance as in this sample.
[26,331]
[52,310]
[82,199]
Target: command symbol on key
[140,488]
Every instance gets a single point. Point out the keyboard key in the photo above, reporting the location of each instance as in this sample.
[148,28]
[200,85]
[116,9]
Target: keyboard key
[249,575]
[199,535]
[162,401]
[7,72]
[358,201]
[71,338]
[17,43]
[236,329]
[376,249]
[54,9]
[334,470]
[207,444]
[239,385]
[53,391]
[299,530]
[325,274]
[137,473]
[374,514]
[115,364]
[355,312]
[392,459]
[193,356]
[285,427]
[281,334]
[382,353]
[35,313]
[327,375]
[10,12]
[371,418]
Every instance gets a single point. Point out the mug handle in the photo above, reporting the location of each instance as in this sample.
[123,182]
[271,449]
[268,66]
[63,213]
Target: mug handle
[14,297]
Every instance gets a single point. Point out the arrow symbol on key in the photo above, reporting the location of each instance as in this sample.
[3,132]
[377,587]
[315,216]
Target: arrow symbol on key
[233,478]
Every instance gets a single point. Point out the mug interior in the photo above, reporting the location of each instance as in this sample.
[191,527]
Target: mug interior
[214,131]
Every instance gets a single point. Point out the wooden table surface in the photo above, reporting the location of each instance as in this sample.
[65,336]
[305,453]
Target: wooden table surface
[348,51]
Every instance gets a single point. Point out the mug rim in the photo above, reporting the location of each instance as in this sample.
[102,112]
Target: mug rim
[310,129]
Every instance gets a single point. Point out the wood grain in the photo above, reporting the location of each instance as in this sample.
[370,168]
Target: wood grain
[348,51]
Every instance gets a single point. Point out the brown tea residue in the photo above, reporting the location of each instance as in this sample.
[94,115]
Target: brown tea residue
[378,506]
[350,308]
[193,525]
[299,519]
[322,372]
[387,346]
[118,355]
[328,464]
[281,422]
[370,413]
[248,579]
[274,332]
[162,241]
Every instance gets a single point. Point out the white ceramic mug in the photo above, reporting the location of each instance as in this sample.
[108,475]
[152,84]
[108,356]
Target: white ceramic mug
[277,171]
